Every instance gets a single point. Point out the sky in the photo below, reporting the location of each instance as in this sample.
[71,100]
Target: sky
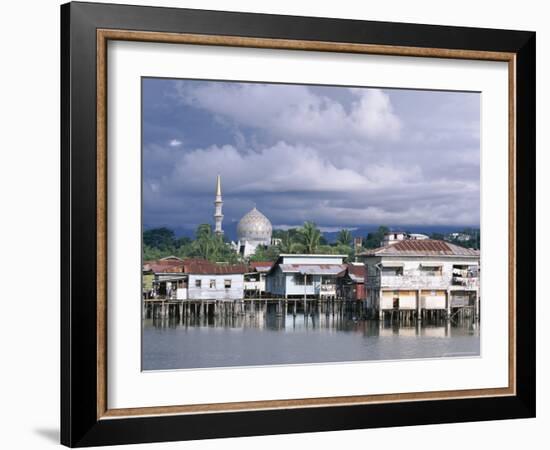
[338,156]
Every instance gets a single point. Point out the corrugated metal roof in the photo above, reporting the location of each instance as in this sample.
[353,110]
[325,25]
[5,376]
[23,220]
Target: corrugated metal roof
[216,269]
[193,266]
[161,266]
[313,269]
[261,266]
[425,247]
[355,271]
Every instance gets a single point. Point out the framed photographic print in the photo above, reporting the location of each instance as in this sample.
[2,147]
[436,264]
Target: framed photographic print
[277,224]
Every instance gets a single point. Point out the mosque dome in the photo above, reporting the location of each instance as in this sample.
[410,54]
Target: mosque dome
[254,226]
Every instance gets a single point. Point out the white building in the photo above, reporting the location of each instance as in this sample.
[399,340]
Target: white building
[253,230]
[418,236]
[215,286]
[196,279]
[303,276]
[218,203]
[422,275]
[393,237]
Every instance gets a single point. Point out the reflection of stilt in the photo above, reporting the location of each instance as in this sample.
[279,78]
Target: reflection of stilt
[477,305]
[418,306]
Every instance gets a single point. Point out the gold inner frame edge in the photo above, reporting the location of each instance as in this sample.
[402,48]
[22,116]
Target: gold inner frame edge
[103,36]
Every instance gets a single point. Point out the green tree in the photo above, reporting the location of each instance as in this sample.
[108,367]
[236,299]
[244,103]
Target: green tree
[325,249]
[341,249]
[152,253]
[206,243]
[160,238]
[262,253]
[288,241]
[437,236]
[375,238]
[344,237]
[309,237]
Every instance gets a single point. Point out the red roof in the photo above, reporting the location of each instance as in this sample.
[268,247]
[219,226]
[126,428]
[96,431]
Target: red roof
[262,263]
[193,266]
[215,269]
[170,266]
[356,272]
[261,266]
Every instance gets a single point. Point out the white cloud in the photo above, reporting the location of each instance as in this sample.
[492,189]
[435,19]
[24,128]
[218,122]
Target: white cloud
[175,143]
[372,114]
[338,157]
[293,183]
[291,111]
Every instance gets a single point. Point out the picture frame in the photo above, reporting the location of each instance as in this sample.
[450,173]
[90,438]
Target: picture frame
[86,418]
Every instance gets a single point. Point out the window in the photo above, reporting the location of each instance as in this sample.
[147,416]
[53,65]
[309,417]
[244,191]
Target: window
[432,270]
[299,279]
[198,283]
[392,271]
[212,284]
[227,284]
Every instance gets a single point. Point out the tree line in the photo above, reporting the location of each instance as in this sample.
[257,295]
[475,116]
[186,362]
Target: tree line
[161,242]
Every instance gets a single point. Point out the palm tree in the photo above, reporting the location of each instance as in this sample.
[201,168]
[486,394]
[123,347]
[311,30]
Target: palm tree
[344,237]
[309,236]
[287,243]
[206,244]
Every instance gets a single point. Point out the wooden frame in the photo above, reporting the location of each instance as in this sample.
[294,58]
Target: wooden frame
[86,419]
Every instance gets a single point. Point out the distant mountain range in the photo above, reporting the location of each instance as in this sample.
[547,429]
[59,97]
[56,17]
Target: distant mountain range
[230,230]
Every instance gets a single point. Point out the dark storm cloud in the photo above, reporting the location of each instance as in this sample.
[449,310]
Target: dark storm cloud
[336,156]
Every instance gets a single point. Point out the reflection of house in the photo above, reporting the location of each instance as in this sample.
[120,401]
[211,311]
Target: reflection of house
[351,282]
[422,275]
[196,279]
[254,279]
[305,276]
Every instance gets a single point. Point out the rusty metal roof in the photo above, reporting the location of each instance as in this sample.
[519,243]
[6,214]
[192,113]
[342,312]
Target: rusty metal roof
[215,269]
[355,271]
[424,247]
[193,266]
[168,266]
[261,266]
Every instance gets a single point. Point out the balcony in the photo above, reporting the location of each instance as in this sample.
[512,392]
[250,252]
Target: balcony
[465,282]
[412,281]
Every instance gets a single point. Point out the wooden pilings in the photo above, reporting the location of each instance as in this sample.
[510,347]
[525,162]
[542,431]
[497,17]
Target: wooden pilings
[207,310]
[217,311]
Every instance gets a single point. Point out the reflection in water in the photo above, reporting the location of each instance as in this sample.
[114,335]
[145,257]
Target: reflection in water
[266,338]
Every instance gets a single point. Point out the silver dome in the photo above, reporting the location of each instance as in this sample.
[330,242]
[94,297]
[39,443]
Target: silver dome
[255,227]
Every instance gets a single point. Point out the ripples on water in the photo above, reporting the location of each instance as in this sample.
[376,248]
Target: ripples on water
[268,339]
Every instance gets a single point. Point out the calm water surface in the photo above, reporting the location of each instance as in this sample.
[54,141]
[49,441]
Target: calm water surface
[267,339]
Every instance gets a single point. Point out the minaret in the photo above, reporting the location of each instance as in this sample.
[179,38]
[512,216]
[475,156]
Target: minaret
[218,216]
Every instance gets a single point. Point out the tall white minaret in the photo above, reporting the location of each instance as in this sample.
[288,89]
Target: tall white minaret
[218,216]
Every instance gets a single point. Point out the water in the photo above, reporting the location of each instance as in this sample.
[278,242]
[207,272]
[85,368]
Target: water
[267,339]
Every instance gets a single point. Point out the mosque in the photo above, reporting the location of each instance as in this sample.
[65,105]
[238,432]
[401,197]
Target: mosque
[253,230]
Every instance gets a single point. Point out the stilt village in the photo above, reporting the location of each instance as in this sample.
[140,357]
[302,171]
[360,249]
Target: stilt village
[408,279]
